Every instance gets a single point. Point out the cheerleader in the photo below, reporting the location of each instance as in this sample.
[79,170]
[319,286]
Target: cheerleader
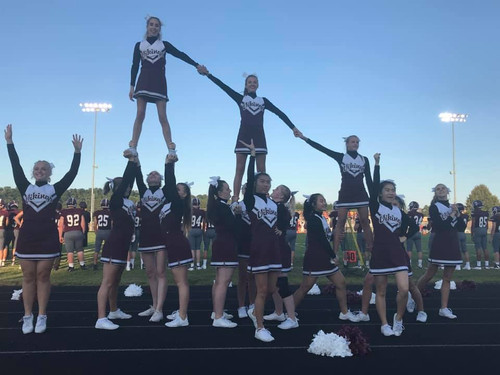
[462,237]
[176,212]
[102,225]
[445,248]
[282,295]
[38,242]
[291,232]
[114,252]
[320,259]
[224,249]
[353,168]
[265,258]
[388,255]
[152,85]
[417,218]
[252,124]
[4,224]
[196,234]
[479,232]
[71,233]
[246,281]
[151,240]
[495,234]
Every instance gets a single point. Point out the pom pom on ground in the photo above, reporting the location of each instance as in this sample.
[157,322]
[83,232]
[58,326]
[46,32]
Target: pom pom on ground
[16,295]
[466,285]
[314,291]
[133,290]
[329,344]
[358,342]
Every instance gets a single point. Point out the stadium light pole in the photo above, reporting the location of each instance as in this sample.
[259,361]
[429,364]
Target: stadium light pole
[453,117]
[94,107]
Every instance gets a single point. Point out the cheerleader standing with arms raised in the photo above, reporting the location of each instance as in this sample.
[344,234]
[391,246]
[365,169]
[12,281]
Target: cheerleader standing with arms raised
[353,168]
[389,257]
[252,125]
[38,243]
[224,248]
[445,249]
[152,84]
[115,250]
[265,259]
[152,240]
[177,209]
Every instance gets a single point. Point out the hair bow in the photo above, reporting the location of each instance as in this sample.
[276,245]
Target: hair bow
[307,197]
[111,183]
[214,181]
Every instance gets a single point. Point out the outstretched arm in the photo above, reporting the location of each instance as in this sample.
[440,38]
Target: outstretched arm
[180,55]
[333,154]
[20,179]
[228,90]
[374,186]
[61,186]
[271,107]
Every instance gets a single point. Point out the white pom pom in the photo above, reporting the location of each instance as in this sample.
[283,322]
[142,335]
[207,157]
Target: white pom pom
[453,285]
[329,344]
[438,284]
[314,291]
[16,294]
[133,290]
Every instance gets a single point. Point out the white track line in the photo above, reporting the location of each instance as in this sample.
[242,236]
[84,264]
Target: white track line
[117,350]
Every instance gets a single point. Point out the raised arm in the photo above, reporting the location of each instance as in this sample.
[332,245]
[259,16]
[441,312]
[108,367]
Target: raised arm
[116,200]
[20,179]
[63,185]
[249,198]
[170,188]
[139,180]
[271,107]
[374,186]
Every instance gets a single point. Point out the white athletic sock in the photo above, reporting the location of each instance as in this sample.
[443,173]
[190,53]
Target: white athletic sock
[132,262]
[420,262]
[204,262]
[467,264]
[71,265]
[128,264]
[486,263]
[82,263]
[478,263]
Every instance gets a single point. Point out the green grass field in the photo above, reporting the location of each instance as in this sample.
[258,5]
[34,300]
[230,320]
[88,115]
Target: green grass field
[11,275]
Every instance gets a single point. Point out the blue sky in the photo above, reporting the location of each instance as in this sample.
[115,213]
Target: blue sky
[383,70]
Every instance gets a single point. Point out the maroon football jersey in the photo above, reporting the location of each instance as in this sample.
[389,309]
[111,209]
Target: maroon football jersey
[197,218]
[103,219]
[72,219]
